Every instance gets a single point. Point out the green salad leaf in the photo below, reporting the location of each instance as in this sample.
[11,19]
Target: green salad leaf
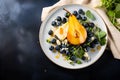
[111,15]
[79,52]
[117,10]
[78,62]
[101,36]
[103,41]
[117,14]
[117,7]
[90,15]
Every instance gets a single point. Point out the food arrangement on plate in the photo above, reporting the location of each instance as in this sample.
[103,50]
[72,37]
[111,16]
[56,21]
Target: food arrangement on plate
[75,35]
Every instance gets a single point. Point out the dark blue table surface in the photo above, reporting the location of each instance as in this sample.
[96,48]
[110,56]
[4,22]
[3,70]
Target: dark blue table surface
[21,57]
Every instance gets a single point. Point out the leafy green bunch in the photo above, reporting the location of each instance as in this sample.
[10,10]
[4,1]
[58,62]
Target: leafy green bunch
[113,10]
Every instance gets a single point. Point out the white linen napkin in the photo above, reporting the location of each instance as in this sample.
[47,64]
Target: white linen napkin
[113,33]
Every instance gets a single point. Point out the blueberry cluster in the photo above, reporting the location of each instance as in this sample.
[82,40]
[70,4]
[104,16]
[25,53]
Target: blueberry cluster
[91,40]
[60,46]
[80,15]
[58,21]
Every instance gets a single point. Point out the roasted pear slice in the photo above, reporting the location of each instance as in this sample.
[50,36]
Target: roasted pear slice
[77,34]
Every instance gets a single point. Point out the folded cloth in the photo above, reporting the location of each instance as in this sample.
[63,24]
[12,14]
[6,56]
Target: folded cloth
[113,33]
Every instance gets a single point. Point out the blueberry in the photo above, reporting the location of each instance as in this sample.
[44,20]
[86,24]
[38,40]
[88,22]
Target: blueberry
[53,23]
[80,11]
[79,17]
[75,13]
[92,45]
[50,32]
[59,18]
[57,48]
[91,24]
[60,46]
[67,52]
[90,34]
[96,41]
[53,41]
[67,14]
[73,58]
[85,25]
[62,51]
[83,58]
[88,39]
[84,18]
[59,23]
[64,20]
[51,48]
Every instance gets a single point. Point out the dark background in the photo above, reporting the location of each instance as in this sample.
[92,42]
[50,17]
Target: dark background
[21,57]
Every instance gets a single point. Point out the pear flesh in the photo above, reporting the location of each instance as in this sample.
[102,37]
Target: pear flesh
[77,34]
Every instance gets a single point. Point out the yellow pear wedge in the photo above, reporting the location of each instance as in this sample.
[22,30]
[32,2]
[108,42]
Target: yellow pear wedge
[77,34]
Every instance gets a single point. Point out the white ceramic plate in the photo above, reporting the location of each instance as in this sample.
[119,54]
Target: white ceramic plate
[46,25]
